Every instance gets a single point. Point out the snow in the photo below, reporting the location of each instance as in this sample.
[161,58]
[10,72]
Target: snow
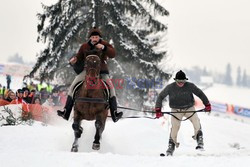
[129,142]
[229,94]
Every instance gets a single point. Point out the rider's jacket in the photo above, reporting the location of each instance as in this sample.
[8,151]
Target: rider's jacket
[88,48]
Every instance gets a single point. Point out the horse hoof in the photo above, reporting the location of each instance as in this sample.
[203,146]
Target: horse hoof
[74,149]
[96,146]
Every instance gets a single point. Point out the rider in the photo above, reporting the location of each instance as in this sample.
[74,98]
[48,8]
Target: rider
[181,99]
[95,43]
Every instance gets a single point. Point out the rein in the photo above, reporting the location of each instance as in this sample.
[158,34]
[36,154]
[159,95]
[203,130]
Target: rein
[169,113]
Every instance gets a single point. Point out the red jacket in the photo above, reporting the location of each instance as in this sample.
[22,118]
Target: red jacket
[107,52]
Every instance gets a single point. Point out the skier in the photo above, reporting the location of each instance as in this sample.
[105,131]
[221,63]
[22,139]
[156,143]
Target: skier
[95,43]
[181,99]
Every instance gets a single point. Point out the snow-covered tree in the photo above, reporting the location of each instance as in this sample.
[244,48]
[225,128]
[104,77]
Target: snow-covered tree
[244,79]
[130,25]
[239,77]
[228,76]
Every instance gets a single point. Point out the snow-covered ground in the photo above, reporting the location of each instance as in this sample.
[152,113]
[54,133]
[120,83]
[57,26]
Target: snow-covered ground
[229,94]
[129,142]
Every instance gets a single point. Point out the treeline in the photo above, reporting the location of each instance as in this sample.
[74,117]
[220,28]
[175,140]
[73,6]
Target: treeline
[241,79]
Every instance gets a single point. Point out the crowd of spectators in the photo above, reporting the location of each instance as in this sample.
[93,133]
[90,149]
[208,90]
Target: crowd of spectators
[34,96]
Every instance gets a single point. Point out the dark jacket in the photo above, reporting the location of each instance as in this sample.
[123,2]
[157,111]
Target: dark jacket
[87,49]
[181,97]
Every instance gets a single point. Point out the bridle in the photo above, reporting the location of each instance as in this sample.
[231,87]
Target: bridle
[96,70]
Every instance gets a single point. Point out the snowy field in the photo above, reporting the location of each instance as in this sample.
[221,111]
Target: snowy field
[129,142]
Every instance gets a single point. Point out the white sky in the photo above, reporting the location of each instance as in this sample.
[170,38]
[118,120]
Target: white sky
[18,28]
[208,33]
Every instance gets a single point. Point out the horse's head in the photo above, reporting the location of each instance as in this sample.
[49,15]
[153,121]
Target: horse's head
[93,65]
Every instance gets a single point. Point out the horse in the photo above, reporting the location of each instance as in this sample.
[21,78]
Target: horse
[88,105]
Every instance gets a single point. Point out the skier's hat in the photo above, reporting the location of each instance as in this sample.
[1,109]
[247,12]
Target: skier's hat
[180,75]
[94,31]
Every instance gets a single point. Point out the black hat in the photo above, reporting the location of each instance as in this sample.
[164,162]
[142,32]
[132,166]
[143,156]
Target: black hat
[94,31]
[180,75]
[19,91]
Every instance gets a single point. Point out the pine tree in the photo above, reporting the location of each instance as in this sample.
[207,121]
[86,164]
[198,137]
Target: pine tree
[244,79]
[228,78]
[239,78]
[129,24]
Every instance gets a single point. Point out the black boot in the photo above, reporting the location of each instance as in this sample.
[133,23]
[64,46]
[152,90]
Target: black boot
[113,109]
[67,109]
[171,147]
[199,139]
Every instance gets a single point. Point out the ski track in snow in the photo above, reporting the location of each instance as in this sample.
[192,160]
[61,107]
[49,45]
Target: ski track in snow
[129,142]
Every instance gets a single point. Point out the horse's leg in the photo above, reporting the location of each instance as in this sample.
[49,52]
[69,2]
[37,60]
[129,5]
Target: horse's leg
[77,131]
[100,125]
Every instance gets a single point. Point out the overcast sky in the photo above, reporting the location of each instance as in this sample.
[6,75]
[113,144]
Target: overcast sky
[208,33]
[18,28]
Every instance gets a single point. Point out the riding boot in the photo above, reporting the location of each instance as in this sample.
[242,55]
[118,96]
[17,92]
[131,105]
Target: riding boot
[199,139]
[113,109]
[67,109]
[171,147]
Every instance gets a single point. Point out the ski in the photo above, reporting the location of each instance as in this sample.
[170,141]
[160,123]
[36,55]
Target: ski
[200,148]
[163,154]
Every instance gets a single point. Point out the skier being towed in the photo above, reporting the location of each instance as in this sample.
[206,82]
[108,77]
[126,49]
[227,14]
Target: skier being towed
[181,99]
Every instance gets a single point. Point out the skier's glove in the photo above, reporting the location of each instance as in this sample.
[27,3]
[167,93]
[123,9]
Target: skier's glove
[208,107]
[158,112]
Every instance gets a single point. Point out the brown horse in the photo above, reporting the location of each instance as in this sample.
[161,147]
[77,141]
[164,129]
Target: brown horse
[88,105]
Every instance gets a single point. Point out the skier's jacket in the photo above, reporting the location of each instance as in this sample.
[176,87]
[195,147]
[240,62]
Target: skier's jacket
[88,48]
[181,97]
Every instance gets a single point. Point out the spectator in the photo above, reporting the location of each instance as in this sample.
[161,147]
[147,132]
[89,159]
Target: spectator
[25,107]
[43,95]
[37,109]
[56,97]
[36,100]
[1,90]
[31,96]
[8,79]
[10,96]
[26,93]
[49,102]
[3,102]
[49,88]
[63,97]
[19,97]
[32,86]
[40,86]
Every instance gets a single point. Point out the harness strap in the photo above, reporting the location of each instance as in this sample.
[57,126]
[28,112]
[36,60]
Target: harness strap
[91,100]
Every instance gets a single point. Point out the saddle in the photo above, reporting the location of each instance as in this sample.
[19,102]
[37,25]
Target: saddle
[106,91]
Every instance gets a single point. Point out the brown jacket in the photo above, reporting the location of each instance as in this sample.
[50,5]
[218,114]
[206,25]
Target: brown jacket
[107,52]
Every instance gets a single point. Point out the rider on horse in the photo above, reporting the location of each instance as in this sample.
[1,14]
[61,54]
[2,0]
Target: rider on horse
[94,44]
